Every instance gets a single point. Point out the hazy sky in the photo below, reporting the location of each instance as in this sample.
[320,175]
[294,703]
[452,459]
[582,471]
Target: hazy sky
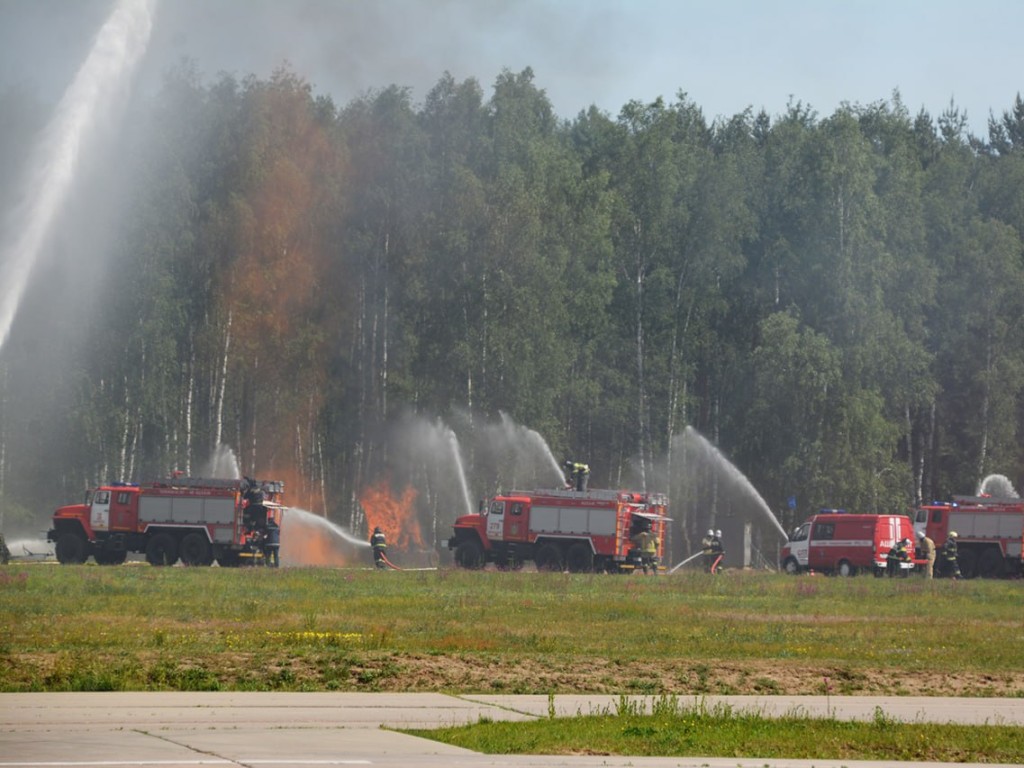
[725,54]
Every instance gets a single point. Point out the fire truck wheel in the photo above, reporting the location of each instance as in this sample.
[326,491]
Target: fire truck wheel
[469,555]
[845,569]
[71,549]
[195,550]
[162,550]
[990,564]
[104,557]
[579,558]
[548,558]
[791,566]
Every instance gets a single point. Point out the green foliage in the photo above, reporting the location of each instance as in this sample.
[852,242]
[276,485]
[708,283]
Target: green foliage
[836,300]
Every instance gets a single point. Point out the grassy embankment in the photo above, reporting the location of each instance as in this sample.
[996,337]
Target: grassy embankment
[142,628]
[671,729]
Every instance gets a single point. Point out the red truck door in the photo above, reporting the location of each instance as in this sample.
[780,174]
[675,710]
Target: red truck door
[517,518]
[818,552]
[122,511]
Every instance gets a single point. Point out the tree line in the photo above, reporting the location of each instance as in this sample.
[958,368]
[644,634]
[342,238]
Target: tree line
[835,302]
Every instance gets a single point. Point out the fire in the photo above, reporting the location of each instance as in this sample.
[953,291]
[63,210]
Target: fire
[395,516]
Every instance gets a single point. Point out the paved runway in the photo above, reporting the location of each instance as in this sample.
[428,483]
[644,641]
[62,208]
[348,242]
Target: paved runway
[183,730]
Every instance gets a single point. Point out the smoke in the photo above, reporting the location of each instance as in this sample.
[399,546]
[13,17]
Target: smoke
[98,88]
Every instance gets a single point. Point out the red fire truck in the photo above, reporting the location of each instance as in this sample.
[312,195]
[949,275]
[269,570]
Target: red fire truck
[560,529]
[845,544]
[196,520]
[990,532]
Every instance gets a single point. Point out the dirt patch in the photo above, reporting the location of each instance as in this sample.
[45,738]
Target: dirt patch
[489,673]
[683,677]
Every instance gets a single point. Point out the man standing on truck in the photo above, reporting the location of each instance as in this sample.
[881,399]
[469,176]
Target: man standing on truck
[576,475]
[927,547]
[380,545]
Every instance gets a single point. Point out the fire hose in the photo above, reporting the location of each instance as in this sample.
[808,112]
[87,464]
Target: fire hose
[388,563]
[687,560]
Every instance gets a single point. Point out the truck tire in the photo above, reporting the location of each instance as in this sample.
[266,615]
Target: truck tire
[791,566]
[845,569]
[162,549]
[195,550]
[469,555]
[110,557]
[990,564]
[579,558]
[548,558]
[71,549]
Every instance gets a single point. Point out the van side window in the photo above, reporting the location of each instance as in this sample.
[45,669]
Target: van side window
[824,531]
[922,516]
[936,515]
[800,534]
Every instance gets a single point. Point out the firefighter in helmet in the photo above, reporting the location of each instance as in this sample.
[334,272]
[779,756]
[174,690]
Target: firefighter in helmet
[646,543]
[927,549]
[707,551]
[950,566]
[717,550]
[576,475]
[379,543]
[898,555]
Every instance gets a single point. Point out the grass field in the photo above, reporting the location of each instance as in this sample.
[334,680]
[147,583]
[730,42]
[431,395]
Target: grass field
[668,729]
[142,628]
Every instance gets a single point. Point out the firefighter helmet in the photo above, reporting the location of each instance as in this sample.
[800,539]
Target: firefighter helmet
[953,534]
[377,529]
[711,531]
[920,534]
[718,533]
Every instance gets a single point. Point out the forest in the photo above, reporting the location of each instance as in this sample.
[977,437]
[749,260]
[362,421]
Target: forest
[834,302]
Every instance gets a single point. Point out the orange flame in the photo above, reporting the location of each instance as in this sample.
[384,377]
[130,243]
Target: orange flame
[396,517]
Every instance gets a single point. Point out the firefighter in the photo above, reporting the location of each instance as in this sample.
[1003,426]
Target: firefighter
[950,566]
[272,543]
[927,548]
[706,549]
[897,555]
[5,553]
[717,550]
[576,475]
[380,545]
[646,544]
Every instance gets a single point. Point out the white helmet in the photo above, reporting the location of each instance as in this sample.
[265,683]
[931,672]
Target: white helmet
[718,533]
[953,534]
[711,531]
[920,534]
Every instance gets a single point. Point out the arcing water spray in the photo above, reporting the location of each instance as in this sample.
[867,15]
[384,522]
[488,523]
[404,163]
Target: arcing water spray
[96,87]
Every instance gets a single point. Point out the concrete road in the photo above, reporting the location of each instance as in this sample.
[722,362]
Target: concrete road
[183,730]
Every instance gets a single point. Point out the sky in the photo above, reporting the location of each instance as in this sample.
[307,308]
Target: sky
[725,55]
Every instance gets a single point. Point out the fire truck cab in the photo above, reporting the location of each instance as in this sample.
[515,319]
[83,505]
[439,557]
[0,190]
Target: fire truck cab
[845,544]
